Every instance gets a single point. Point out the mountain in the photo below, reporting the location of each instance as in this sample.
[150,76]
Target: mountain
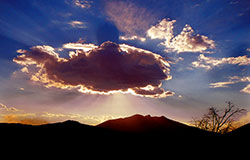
[68,128]
[148,125]
[126,135]
[132,129]
[136,124]
[243,132]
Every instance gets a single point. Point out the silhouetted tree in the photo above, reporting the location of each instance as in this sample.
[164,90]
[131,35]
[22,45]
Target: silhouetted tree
[219,121]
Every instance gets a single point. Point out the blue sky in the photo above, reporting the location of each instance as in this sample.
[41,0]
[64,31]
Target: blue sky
[208,50]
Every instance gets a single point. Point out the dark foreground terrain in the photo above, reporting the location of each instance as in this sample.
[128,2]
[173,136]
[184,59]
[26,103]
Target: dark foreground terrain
[135,131]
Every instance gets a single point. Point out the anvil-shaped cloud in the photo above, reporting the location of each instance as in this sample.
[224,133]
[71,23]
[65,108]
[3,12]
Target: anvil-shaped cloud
[104,69]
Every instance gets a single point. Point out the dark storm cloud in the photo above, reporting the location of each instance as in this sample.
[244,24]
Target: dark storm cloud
[103,69]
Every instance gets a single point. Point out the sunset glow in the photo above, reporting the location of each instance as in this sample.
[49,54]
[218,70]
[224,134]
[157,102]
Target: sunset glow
[95,60]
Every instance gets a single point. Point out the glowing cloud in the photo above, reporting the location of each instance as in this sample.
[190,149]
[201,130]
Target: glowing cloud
[25,70]
[210,62]
[105,69]
[23,118]
[246,89]
[80,46]
[127,38]
[14,115]
[186,41]
[47,117]
[163,30]
[245,119]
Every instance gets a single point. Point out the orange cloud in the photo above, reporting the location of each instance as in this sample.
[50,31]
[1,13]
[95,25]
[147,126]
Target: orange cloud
[48,117]
[24,118]
[14,115]
[25,70]
[105,69]
[59,117]
[245,119]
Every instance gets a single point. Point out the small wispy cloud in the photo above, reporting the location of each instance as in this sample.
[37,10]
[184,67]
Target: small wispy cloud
[82,3]
[211,62]
[4,108]
[127,38]
[66,25]
[233,80]
[221,84]
[77,24]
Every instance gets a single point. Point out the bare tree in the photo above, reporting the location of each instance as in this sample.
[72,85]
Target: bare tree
[219,121]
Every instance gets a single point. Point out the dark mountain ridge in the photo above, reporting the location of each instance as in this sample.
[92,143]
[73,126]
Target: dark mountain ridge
[136,132]
[243,131]
[138,124]
[136,128]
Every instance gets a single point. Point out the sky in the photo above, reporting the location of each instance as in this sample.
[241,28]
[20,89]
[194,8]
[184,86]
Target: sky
[94,60]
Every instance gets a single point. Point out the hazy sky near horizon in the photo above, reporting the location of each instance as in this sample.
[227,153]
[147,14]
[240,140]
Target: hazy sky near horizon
[93,60]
